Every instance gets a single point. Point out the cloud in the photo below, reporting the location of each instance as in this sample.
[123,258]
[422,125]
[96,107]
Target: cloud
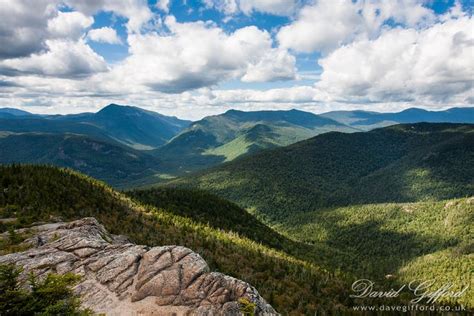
[164,5]
[69,25]
[274,65]
[39,39]
[104,35]
[325,26]
[63,58]
[86,7]
[377,55]
[276,7]
[431,65]
[228,7]
[247,7]
[23,26]
[136,11]
[8,84]
[175,62]
[290,95]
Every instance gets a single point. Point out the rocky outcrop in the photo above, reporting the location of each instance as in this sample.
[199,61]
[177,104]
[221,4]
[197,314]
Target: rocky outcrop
[121,278]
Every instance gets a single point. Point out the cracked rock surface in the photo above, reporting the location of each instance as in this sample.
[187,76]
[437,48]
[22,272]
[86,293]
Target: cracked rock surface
[121,278]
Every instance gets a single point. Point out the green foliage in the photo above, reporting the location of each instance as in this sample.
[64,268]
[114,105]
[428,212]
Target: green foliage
[225,137]
[402,163]
[411,241]
[344,197]
[334,245]
[211,210]
[247,308]
[113,163]
[51,296]
[13,241]
[293,286]
[11,295]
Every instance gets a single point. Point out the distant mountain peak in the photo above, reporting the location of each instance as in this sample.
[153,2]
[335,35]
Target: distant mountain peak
[414,110]
[14,112]
[118,107]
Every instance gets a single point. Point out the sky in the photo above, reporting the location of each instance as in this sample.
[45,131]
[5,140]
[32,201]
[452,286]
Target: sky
[192,58]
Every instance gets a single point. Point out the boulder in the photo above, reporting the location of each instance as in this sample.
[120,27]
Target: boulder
[121,278]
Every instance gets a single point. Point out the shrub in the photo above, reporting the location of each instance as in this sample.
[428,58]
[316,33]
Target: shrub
[51,296]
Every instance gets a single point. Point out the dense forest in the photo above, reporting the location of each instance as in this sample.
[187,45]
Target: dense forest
[408,241]
[112,162]
[208,209]
[34,193]
[392,202]
[402,163]
[369,204]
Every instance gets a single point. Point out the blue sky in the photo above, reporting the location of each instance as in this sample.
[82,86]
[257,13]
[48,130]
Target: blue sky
[192,58]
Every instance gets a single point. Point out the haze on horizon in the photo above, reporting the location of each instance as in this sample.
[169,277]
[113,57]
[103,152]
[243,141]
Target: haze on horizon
[195,58]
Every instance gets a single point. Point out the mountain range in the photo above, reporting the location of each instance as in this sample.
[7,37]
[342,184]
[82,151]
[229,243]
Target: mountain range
[365,120]
[401,163]
[297,204]
[174,147]
[377,204]
[221,138]
[130,126]
[12,113]
[108,161]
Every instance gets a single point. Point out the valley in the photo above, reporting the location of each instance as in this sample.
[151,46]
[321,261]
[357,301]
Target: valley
[298,205]
[236,158]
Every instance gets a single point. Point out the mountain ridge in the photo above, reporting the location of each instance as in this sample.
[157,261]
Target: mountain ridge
[132,126]
[367,120]
[108,161]
[329,168]
[219,138]
[41,193]
[181,147]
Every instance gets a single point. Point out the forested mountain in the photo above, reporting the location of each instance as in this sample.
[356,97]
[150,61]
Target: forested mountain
[13,113]
[293,286]
[206,208]
[409,241]
[37,124]
[364,120]
[311,271]
[131,126]
[372,205]
[116,164]
[401,163]
[180,146]
[224,137]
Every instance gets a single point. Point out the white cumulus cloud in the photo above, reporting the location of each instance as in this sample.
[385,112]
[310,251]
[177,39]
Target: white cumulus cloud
[276,7]
[23,26]
[63,58]
[430,66]
[327,24]
[199,54]
[104,35]
[69,25]
[136,11]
